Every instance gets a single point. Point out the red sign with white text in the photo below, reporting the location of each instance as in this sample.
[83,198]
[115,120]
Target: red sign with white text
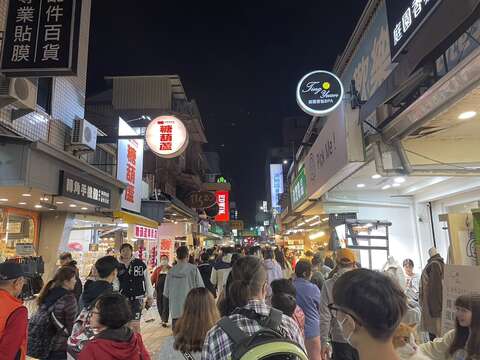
[143,232]
[223,206]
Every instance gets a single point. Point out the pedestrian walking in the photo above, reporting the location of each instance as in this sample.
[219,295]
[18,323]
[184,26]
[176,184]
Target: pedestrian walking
[158,281]
[308,298]
[57,305]
[205,269]
[463,342]
[182,278]
[114,339]
[66,259]
[332,339]
[284,263]
[13,314]
[221,269]
[284,297]
[369,306]
[318,278]
[274,270]
[200,314]
[135,284]
[247,293]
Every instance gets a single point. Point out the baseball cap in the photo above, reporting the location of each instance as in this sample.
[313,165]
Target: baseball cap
[345,256]
[10,271]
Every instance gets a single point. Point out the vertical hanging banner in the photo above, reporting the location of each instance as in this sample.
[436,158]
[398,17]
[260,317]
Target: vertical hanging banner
[42,38]
[223,202]
[276,186]
[130,167]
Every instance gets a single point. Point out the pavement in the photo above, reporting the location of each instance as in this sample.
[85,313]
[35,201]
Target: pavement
[153,334]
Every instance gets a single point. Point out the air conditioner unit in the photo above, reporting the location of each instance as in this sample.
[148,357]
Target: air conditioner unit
[84,133]
[20,92]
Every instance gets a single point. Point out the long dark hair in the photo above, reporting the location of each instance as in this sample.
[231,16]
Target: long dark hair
[199,315]
[64,273]
[280,257]
[248,278]
[468,338]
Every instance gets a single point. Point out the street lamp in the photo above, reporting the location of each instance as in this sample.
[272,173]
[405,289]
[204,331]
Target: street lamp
[285,162]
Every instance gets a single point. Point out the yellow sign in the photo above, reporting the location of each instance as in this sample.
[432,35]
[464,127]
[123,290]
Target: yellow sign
[237,224]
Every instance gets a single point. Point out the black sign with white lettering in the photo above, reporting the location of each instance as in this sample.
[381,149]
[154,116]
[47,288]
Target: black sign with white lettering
[319,93]
[405,17]
[42,38]
[74,187]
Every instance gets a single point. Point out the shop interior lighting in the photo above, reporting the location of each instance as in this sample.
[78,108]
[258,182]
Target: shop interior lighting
[84,208]
[26,195]
[285,162]
[300,224]
[316,223]
[72,205]
[376,177]
[396,185]
[386,187]
[369,225]
[3,200]
[22,203]
[44,198]
[311,219]
[360,186]
[317,235]
[59,202]
[399,180]
[467,115]
[38,206]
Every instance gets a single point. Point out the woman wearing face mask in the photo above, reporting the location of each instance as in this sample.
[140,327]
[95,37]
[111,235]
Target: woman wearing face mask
[462,343]
[369,307]
[158,282]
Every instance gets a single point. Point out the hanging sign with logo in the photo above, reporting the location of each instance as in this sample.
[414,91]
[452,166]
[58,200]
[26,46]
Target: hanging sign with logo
[74,187]
[223,206]
[167,136]
[201,199]
[405,18]
[276,186]
[130,167]
[319,93]
[42,38]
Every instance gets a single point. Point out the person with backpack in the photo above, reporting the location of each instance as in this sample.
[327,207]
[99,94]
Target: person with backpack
[114,340]
[308,298]
[200,314]
[13,314]
[50,326]
[266,330]
[135,284]
[107,270]
[66,259]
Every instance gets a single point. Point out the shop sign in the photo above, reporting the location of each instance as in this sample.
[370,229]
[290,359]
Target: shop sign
[201,199]
[405,18]
[458,280]
[337,152]
[167,136]
[75,187]
[276,185]
[42,38]
[237,224]
[299,189]
[143,232]
[223,206]
[24,249]
[221,180]
[319,93]
[130,167]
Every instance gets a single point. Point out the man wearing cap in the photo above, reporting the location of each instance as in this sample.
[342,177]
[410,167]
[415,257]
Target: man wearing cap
[334,344]
[13,315]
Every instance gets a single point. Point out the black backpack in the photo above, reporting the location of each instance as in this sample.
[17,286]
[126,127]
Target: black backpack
[267,343]
[42,327]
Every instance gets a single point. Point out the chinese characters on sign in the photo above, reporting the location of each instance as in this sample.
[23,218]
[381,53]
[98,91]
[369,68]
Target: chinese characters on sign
[404,18]
[223,206]
[299,189]
[319,93]
[42,37]
[77,188]
[276,186]
[143,232]
[167,136]
[131,173]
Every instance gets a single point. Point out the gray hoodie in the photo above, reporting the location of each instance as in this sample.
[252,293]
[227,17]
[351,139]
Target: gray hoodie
[329,327]
[182,278]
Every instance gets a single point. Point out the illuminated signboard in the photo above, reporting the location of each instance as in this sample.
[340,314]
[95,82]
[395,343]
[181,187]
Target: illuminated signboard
[299,189]
[223,206]
[405,18]
[276,185]
[130,167]
[167,136]
[319,93]
[143,232]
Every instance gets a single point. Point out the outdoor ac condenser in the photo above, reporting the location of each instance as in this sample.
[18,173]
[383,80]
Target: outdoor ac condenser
[20,92]
[84,133]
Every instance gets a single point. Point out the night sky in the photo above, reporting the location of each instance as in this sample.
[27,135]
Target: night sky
[240,61]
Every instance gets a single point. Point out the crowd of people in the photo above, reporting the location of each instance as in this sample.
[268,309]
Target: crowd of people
[231,303]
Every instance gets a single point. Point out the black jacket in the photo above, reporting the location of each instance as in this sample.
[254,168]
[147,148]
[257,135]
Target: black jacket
[93,291]
[206,272]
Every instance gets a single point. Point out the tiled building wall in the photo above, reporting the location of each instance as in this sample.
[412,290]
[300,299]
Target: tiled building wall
[68,98]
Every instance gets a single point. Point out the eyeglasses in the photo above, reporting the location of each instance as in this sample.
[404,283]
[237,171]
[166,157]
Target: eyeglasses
[334,309]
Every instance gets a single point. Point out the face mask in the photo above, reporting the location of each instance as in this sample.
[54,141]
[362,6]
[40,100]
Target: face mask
[163,262]
[342,329]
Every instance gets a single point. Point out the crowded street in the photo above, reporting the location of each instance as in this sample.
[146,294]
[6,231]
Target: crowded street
[239,181]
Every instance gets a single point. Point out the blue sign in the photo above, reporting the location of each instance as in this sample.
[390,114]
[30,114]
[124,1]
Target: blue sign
[276,185]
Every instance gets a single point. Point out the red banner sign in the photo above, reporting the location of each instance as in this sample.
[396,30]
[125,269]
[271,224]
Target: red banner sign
[223,206]
[143,232]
